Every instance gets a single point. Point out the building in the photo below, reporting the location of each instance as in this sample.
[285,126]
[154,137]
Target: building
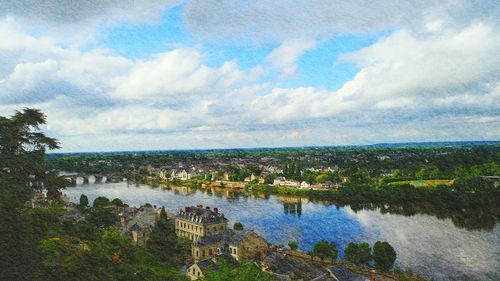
[199,269]
[182,175]
[238,244]
[340,273]
[138,223]
[304,184]
[197,222]
[279,181]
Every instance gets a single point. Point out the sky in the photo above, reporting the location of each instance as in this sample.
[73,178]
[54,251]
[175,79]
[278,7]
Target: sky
[164,74]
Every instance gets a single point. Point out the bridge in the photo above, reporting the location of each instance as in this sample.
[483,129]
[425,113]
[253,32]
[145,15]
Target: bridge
[76,179]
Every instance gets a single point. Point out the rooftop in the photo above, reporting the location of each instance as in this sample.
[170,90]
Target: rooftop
[200,214]
[229,236]
[207,265]
[343,274]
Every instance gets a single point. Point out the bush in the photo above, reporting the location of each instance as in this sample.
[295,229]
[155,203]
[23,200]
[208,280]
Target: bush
[294,245]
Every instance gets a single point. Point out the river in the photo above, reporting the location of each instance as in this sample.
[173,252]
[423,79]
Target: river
[433,247]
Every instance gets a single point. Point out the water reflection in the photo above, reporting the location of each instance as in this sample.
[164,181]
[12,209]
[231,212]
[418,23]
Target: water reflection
[432,240]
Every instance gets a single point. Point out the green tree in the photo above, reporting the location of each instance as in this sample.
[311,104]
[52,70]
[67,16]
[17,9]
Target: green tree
[101,217]
[117,202]
[324,249]
[238,226]
[23,171]
[358,253]
[101,202]
[472,184]
[294,245]
[163,243]
[421,174]
[434,174]
[384,255]
[84,202]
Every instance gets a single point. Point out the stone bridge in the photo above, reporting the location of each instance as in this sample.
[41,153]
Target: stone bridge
[94,178]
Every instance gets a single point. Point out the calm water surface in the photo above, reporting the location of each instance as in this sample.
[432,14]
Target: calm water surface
[431,246]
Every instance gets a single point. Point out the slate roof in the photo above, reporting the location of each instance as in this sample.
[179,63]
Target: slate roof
[229,236]
[343,274]
[201,215]
[207,265]
[141,220]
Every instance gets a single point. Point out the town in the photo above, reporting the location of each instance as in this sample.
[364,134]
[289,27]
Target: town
[383,167]
[212,241]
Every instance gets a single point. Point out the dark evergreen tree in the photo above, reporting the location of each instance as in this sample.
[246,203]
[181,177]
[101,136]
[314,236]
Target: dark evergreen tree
[22,172]
[384,255]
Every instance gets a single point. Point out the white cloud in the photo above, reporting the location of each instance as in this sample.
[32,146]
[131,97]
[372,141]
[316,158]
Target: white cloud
[285,56]
[174,74]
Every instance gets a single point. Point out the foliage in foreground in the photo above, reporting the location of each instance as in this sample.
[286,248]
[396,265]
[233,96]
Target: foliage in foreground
[238,272]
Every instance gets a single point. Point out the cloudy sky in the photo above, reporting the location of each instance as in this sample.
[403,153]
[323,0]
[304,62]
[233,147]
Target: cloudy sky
[142,75]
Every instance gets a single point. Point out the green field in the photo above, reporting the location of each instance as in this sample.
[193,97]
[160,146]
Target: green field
[424,183]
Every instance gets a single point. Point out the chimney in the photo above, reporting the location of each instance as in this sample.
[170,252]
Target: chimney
[216,210]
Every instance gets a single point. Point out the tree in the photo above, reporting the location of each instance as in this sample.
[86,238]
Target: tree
[294,245]
[117,202]
[101,202]
[324,249]
[238,226]
[421,174]
[472,184]
[435,174]
[358,253]
[23,171]
[101,217]
[162,242]
[384,255]
[84,202]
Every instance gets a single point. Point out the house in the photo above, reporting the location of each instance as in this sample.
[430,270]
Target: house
[250,178]
[279,181]
[291,183]
[197,222]
[138,223]
[238,244]
[182,175]
[199,269]
[304,184]
[340,273]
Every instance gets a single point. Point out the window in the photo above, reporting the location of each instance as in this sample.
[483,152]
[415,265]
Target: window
[209,252]
[193,271]
[196,253]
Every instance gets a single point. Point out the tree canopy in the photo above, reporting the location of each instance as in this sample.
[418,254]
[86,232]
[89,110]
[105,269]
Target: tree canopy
[384,255]
[324,249]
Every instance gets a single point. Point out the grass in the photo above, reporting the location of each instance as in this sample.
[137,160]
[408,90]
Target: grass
[424,183]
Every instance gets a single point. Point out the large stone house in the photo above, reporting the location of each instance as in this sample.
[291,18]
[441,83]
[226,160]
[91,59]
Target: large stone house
[197,222]
[239,244]
[138,223]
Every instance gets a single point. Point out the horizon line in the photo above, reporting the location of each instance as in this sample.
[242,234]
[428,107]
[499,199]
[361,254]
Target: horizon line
[443,143]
